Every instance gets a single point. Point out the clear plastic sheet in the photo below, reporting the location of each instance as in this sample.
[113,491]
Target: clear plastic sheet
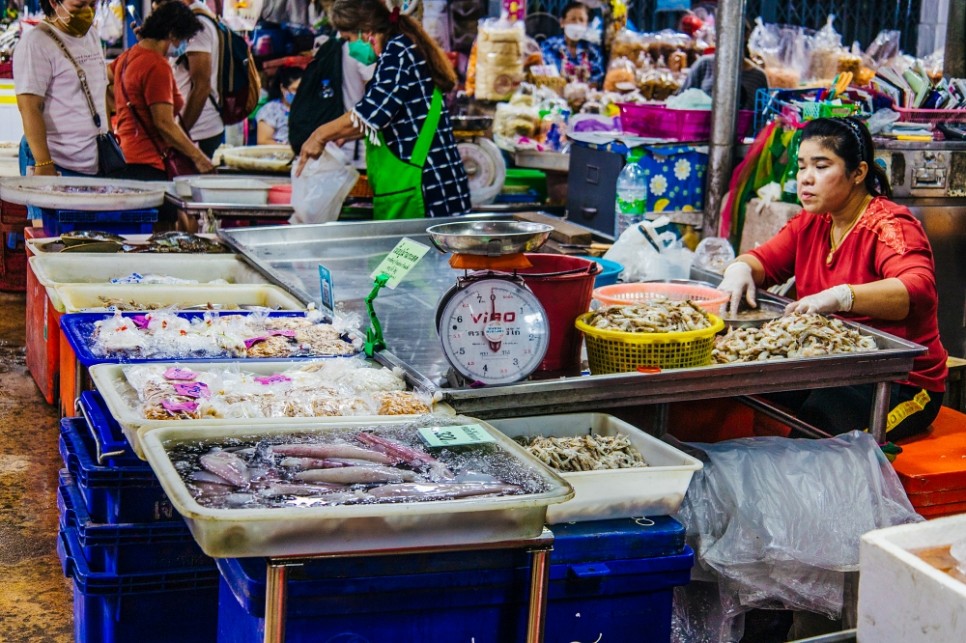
[776,522]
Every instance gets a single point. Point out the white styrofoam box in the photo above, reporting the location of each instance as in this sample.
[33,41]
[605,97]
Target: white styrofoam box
[56,269]
[904,599]
[94,297]
[236,191]
[655,490]
[295,530]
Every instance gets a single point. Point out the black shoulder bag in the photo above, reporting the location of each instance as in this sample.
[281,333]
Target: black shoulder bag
[110,158]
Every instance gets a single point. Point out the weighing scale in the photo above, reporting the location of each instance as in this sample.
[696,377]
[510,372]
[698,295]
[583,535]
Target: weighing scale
[493,329]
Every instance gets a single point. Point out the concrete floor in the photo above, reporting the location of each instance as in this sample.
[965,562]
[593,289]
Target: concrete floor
[36,601]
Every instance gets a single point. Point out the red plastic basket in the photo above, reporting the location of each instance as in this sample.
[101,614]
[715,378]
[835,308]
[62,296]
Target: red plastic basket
[657,121]
[709,299]
[911,115]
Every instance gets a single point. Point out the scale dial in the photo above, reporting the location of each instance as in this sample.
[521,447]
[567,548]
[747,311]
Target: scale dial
[493,331]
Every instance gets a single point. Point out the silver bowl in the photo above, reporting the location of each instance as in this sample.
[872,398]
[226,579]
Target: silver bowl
[754,317]
[490,238]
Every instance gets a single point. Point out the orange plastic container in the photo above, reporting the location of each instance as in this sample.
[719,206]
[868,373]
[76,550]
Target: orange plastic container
[709,299]
[42,336]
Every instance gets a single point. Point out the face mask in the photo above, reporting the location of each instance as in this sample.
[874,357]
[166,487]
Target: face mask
[177,52]
[289,97]
[76,24]
[575,32]
[362,51]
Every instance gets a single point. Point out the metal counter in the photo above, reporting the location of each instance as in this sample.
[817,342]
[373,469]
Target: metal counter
[290,255]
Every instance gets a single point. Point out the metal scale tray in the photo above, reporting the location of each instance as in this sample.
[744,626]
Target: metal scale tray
[290,255]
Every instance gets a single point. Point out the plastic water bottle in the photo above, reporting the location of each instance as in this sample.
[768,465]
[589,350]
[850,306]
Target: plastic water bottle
[631,196]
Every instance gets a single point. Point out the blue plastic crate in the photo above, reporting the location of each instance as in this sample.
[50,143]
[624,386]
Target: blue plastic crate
[78,330]
[127,491]
[153,607]
[110,447]
[130,547]
[56,222]
[595,590]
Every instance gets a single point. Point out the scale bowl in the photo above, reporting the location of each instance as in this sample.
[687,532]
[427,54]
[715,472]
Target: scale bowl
[491,238]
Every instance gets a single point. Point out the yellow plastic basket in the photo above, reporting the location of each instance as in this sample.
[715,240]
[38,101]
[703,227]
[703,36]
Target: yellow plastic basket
[611,351]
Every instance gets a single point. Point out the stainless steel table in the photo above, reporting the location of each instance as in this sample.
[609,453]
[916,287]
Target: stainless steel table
[290,255]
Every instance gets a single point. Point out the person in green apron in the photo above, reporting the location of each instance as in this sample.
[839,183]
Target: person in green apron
[413,163]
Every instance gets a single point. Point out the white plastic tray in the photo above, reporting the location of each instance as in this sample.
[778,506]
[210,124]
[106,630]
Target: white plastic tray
[53,269]
[88,297]
[29,190]
[241,191]
[318,530]
[123,403]
[930,604]
[655,490]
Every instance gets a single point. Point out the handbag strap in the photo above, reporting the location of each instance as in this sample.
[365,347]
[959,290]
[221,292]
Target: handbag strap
[133,108]
[81,74]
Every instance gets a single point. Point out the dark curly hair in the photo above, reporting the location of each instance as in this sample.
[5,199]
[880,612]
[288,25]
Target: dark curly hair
[171,20]
[284,77]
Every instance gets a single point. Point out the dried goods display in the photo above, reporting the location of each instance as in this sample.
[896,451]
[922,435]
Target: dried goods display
[340,386]
[348,467]
[166,334]
[657,315]
[585,452]
[791,336]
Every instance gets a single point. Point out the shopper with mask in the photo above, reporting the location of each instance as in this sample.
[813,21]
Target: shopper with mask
[572,54]
[59,128]
[272,118]
[414,165]
[147,97]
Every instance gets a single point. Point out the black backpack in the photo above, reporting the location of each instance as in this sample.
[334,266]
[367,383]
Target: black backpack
[319,96]
[238,83]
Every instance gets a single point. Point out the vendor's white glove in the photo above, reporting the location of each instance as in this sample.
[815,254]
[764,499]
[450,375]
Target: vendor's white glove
[739,282]
[832,300]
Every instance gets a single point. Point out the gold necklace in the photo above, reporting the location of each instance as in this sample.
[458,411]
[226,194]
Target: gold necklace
[833,246]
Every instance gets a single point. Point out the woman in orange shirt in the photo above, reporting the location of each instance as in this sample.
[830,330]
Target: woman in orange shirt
[147,97]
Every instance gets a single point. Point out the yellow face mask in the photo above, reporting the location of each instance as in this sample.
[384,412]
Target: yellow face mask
[76,24]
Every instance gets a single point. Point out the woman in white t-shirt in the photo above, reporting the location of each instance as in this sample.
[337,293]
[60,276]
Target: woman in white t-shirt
[59,130]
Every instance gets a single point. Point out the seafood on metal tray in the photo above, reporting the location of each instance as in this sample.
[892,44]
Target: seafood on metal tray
[657,315]
[333,387]
[792,336]
[165,334]
[352,466]
[584,452]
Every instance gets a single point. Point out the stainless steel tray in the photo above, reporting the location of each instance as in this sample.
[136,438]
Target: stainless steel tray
[290,255]
[229,209]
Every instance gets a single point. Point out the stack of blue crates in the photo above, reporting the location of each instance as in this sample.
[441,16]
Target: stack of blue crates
[609,580]
[57,222]
[138,573]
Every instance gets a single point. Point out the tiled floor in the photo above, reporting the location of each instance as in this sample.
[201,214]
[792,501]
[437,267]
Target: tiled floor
[35,597]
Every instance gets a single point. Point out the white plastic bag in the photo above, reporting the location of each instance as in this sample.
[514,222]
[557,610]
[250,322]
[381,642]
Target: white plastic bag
[318,193]
[650,252]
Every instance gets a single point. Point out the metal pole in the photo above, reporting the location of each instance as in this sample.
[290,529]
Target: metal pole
[728,57]
[880,412]
[539,586]
[954,57]
[275,599]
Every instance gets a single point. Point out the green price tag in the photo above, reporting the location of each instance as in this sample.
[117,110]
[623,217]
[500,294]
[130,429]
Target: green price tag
[457,435]
[400,261]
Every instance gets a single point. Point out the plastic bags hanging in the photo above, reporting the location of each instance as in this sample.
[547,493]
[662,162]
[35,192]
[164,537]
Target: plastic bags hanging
[109,21]
[325,182]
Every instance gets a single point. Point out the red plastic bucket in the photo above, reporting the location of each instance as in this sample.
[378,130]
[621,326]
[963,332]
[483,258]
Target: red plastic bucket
[563,285]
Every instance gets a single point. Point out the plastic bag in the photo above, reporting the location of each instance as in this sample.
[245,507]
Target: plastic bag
[826,52]
[772,543]
[325,182]
[648,251]
[108,21]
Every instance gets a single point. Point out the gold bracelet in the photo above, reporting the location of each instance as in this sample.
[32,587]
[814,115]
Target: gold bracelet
[43,164]
[851,292]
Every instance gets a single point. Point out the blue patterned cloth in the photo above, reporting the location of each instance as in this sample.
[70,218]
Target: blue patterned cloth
[396,103]
[588,58]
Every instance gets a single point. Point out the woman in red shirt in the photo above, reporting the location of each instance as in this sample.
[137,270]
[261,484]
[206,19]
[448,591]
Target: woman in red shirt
[852,251]
[147,97]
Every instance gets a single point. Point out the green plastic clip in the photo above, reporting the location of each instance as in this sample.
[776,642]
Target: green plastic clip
[374,339]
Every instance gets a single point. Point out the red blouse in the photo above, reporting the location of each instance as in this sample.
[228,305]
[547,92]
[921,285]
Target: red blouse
[887,242]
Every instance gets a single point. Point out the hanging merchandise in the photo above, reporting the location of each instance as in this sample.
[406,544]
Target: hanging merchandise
[499,58]
[109,21]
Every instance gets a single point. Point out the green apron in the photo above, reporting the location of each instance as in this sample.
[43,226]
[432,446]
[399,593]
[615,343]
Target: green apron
[397,185]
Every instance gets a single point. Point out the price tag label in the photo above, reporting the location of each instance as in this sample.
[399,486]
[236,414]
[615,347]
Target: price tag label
[400,261]
[325,280]
[456,435]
